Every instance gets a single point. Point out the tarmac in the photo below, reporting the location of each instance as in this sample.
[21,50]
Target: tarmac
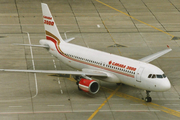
[131,28]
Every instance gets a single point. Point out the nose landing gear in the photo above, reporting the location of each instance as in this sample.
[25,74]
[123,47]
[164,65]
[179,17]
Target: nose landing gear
[148,98]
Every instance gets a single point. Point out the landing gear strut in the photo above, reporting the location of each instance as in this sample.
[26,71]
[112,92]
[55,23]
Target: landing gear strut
[77,78]
[148,98]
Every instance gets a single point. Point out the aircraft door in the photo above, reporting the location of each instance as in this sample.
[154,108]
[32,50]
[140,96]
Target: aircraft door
[139,73]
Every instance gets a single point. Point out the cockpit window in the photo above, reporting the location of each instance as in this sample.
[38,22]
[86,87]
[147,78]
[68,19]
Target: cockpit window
[159,76]
[164,75]
[154,76]
[149,75]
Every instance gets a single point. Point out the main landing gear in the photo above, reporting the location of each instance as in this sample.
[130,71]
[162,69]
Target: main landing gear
[148,98]
[118,84]
[77,78]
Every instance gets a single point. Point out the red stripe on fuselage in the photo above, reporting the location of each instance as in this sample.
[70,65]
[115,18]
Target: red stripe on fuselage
[55,42]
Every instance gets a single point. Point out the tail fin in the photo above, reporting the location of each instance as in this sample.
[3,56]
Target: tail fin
[50,25]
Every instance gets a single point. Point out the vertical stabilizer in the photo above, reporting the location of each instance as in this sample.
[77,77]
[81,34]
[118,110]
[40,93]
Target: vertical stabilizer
[51,30]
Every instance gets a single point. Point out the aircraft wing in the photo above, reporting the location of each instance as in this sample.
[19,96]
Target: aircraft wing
[155,55]
[81,73]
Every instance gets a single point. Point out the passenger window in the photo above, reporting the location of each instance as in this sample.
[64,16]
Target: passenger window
[154,76]
[149,75]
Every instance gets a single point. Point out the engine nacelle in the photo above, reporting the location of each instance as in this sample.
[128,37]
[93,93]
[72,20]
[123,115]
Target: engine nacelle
[90,86]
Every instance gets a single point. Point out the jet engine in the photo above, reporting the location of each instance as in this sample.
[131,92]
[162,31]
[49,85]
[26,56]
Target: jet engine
[89,86]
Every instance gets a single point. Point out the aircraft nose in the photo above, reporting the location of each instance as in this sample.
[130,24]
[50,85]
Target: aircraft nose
[166,84]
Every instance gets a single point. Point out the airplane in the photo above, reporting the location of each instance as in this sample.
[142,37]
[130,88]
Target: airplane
[92,63]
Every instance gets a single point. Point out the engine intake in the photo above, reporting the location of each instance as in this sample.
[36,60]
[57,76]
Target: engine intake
[90,86]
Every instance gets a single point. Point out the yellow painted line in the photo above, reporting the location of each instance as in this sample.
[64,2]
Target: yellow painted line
[71,79]
[129,97]
[152,105]
[96,111]
[135,18]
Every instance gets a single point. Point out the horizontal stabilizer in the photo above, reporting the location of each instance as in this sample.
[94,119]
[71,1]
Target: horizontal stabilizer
[44,46]
[69,39]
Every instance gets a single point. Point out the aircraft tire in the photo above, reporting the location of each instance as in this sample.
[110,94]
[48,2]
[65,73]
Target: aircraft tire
[148,99]
[118,84]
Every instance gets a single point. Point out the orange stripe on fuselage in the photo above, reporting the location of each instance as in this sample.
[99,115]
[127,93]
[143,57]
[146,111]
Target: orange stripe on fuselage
[56,41]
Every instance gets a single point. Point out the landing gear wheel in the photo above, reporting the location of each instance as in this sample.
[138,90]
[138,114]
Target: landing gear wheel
[148,99]
[118,84]
[77,83]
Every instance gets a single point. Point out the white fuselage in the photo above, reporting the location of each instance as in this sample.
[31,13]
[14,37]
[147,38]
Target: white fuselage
[119,69]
